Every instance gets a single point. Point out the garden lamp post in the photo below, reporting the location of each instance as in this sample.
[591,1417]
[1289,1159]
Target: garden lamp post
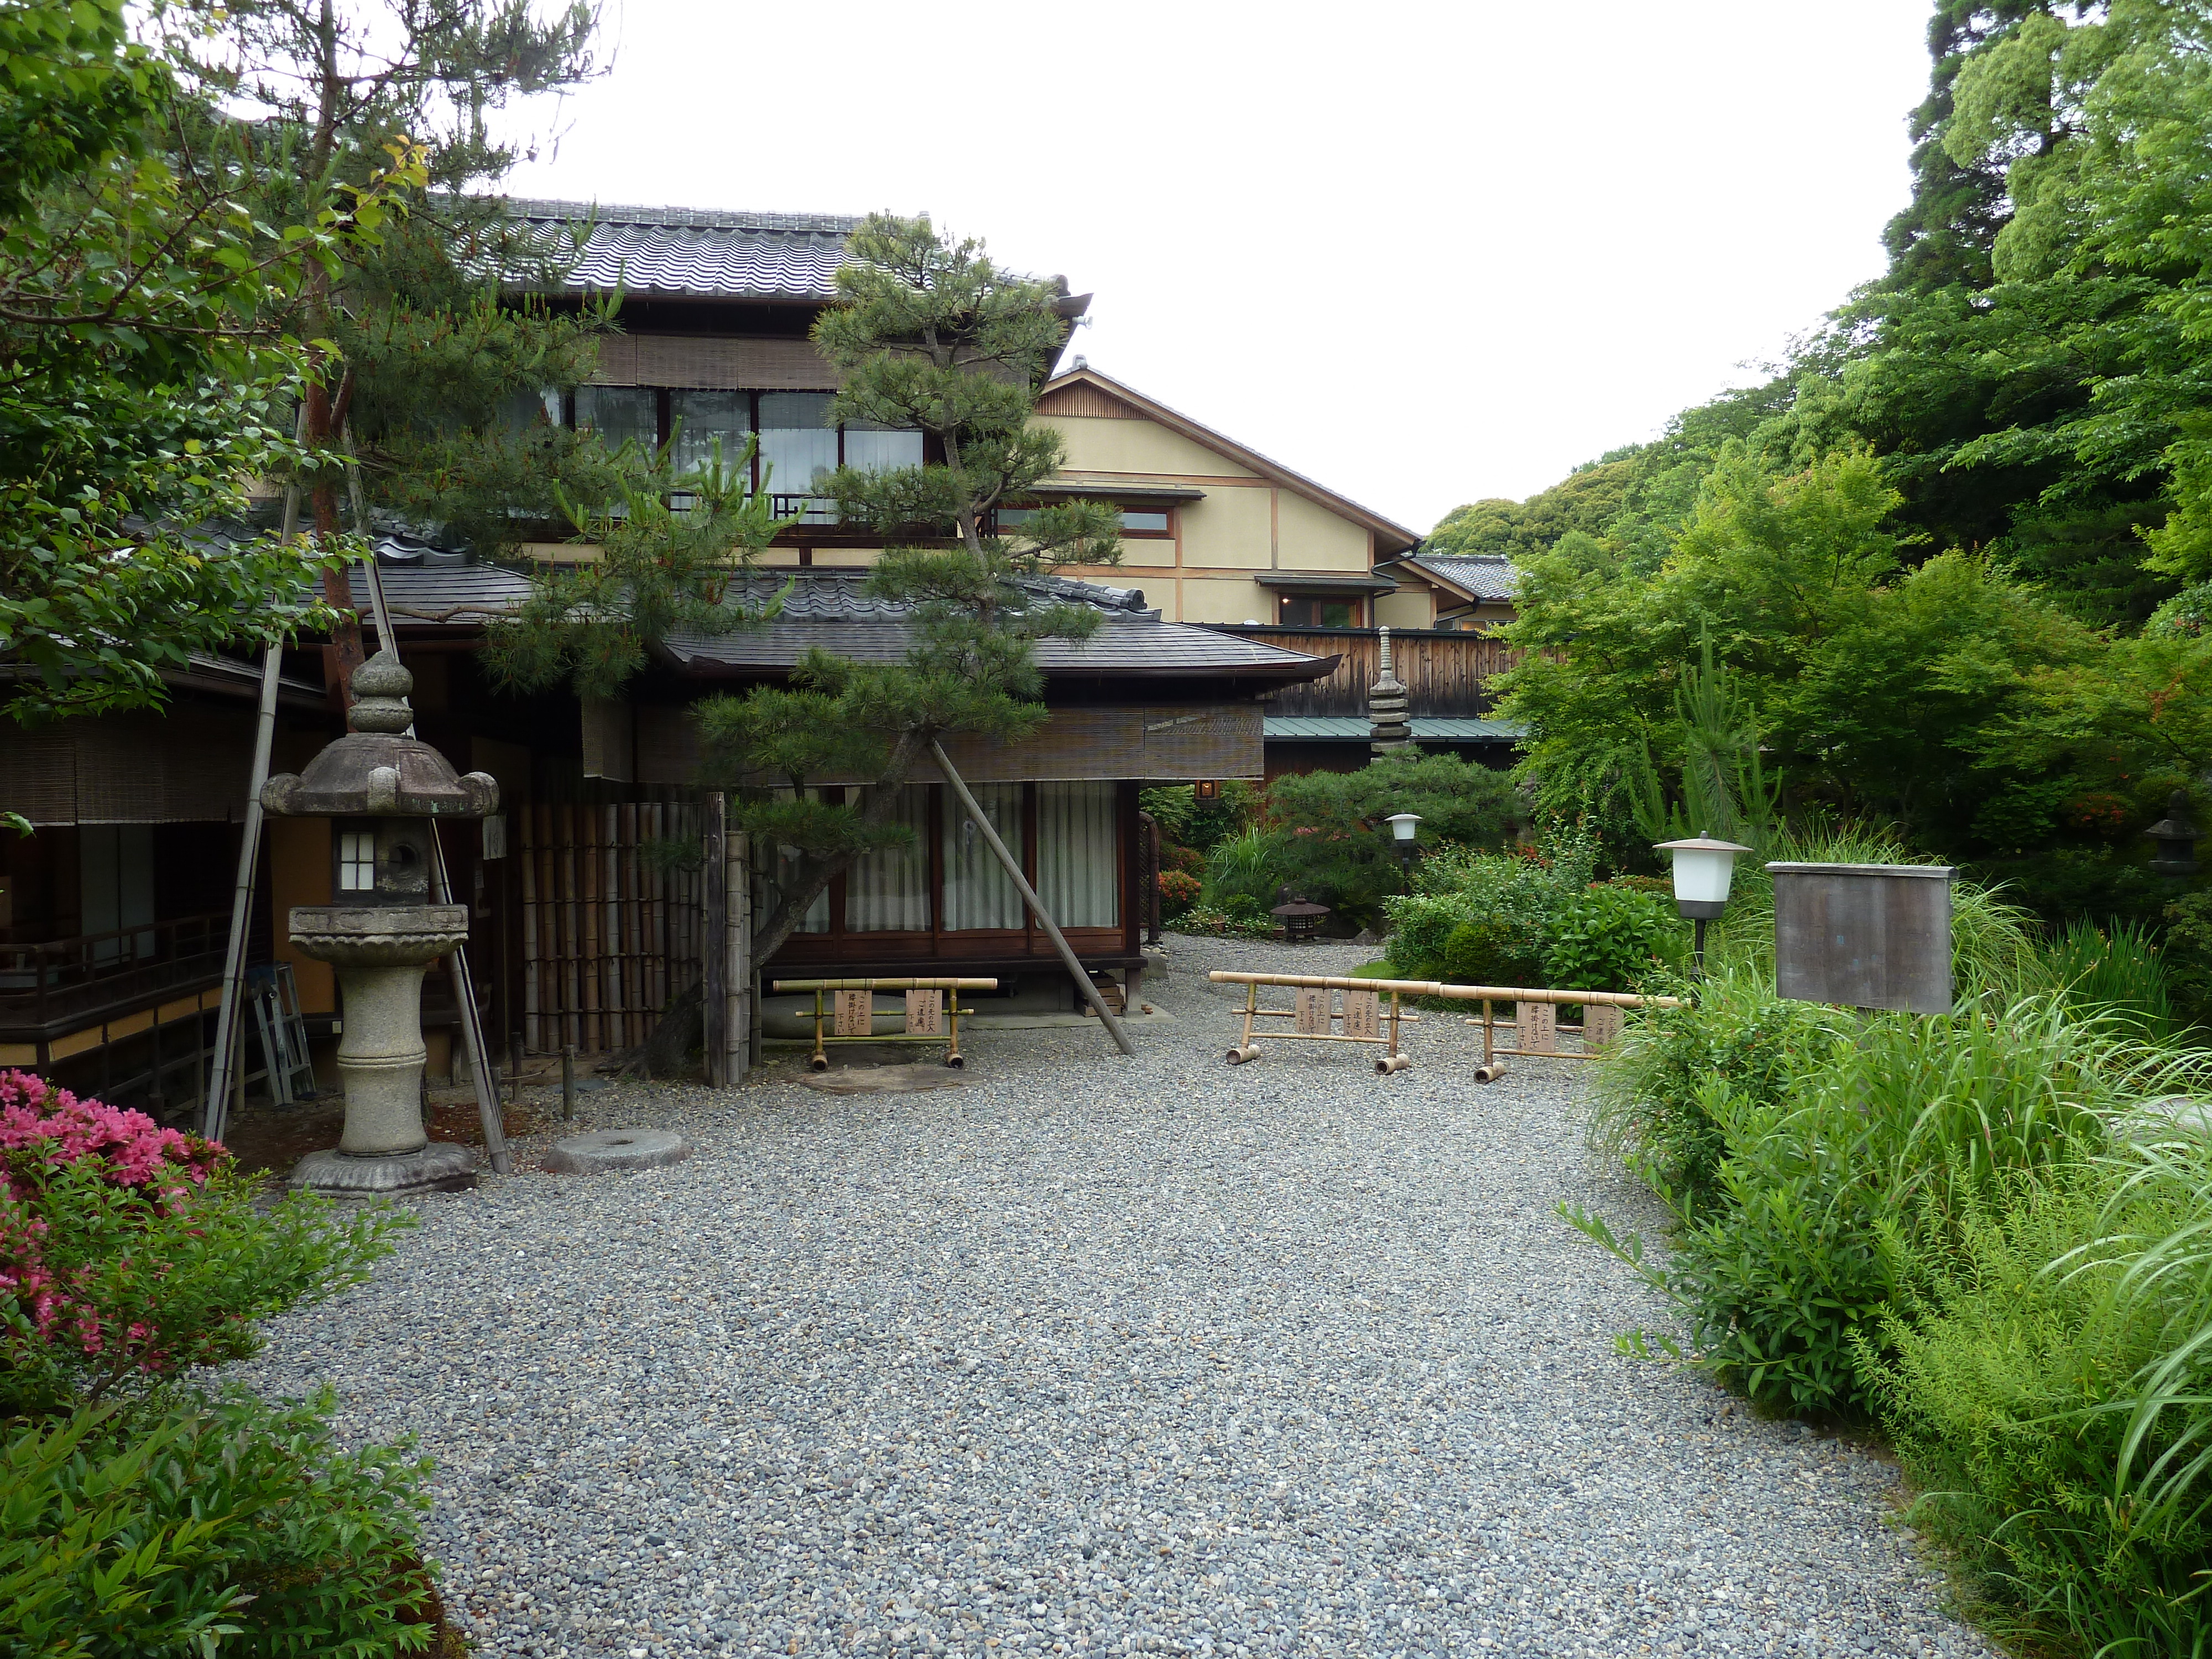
[1703,870]
[1403,828]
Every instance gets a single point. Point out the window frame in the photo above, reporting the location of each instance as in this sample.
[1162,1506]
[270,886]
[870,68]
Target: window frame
[1355,604]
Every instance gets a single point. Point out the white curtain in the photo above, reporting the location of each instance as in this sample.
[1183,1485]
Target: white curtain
[785,874]
[700,418]
[887,891]
[978,891]
[1079,872]
[881,449]
[795,440]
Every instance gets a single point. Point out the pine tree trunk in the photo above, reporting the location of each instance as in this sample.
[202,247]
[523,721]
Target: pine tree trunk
[815,875]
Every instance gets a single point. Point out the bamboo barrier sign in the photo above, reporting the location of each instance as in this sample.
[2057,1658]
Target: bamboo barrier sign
[1313,1015]
[931,1015]
[1535,1022]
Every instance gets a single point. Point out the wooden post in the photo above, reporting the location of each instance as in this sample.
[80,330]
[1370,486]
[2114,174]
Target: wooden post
[526,822]
[738,956]
[572,988]
[715,996]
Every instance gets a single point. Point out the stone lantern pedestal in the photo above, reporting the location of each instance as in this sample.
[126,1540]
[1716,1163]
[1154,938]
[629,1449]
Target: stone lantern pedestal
[379,952]
[384,790]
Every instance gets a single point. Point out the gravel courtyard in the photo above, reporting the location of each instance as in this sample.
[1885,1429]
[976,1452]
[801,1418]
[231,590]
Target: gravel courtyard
[1096,1356]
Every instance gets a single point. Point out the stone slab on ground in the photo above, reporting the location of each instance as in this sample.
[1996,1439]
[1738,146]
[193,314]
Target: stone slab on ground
[610,1151]
[1098,1356]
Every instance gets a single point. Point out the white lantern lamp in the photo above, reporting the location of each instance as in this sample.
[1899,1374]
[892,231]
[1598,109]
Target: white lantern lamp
[1704,868]
[1403,828]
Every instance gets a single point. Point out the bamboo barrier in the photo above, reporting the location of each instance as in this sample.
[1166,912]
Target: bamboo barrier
[1315,1019]
[854,1015]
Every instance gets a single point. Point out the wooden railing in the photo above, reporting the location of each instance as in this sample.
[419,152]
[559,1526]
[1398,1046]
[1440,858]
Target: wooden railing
[68,978]
[1446,674]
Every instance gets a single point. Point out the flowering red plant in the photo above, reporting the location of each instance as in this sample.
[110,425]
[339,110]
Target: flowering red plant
[43,1131]
[130,1254]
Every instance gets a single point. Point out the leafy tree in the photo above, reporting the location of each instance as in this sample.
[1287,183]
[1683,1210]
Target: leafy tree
[146,379]
[1871,683]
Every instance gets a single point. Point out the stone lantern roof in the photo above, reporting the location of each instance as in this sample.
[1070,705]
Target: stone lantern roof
[375,771]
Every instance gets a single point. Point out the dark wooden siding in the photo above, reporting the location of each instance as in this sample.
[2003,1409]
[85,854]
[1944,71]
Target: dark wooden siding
[1446,674]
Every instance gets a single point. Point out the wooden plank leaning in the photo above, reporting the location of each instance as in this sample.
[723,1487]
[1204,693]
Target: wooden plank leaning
[1601,1016]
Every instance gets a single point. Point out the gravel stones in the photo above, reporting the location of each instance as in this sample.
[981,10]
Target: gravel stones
[909,1079]
[605,1150]
[1098,1356]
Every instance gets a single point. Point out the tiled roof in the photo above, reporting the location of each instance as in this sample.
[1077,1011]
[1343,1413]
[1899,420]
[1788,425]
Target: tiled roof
[1353,728]
[701,254]
[446,595]
[832,610]
[1485,575]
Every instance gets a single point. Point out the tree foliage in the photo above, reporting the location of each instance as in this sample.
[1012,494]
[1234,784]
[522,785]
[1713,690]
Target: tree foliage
[147,371]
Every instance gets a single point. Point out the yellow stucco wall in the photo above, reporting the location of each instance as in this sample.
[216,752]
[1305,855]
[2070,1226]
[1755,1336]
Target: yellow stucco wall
[1094,445]
[299,873]
[1232,527]
[1409,607]
[1311,537]
[1225,599]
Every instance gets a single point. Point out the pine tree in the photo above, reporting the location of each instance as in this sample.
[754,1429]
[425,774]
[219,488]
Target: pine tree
[930,334]
[429,345]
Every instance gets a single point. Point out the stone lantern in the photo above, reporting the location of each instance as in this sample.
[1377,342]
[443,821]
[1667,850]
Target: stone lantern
[381,789]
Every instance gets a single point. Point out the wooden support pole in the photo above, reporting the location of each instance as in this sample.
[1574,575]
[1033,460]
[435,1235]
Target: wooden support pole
[1013,869]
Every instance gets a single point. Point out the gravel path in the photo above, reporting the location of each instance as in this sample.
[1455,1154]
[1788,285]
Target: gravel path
[1096,1356]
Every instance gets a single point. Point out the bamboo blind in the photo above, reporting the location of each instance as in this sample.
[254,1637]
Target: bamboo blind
[609,936]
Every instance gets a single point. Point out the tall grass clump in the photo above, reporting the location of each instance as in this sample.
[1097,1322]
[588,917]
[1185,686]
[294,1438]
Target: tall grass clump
[2119,970]
[1843,1166]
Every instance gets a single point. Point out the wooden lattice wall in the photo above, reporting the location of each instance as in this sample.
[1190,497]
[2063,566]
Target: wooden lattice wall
[612,920]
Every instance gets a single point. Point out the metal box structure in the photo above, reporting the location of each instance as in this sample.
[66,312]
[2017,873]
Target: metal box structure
[1864,935]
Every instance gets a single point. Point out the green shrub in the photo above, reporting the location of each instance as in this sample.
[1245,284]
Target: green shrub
[1610,937]
[1249,865]
[1492,949]
[1508,900]
[1336,847]
[1201,919]
[1737,1036]
[137,1518]
[1178,893]
[2121,970]
[2188,957]
[186,1525]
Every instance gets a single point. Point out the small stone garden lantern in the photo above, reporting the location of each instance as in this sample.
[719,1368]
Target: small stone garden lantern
[382,790]
[1297,917]
[2174,836]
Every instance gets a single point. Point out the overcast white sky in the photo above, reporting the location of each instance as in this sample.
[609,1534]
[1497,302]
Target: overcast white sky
[1426,253]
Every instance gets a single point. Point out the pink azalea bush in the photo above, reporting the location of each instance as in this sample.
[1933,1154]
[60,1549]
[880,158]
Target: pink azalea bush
[130,1252]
